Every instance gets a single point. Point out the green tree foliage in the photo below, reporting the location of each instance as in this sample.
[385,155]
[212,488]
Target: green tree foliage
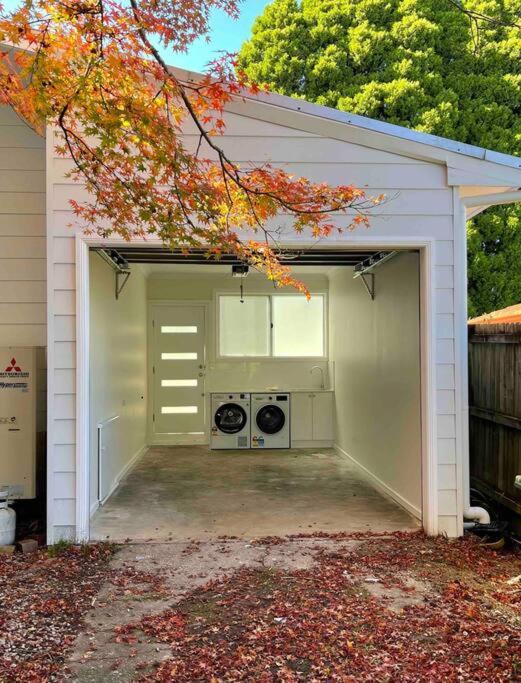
[417,63]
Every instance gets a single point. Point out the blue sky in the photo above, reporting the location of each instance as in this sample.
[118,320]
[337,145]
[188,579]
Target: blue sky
[226,34]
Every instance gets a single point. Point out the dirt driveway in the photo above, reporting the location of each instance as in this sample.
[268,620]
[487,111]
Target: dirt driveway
[382,608]
[336,608]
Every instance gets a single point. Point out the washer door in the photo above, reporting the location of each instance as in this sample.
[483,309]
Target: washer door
[230,418]
[270,419]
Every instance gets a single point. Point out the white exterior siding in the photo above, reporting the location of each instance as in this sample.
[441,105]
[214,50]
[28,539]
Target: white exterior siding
[22,233]
[420,204]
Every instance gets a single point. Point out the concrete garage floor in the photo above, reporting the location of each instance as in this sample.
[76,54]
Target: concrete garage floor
[179,493]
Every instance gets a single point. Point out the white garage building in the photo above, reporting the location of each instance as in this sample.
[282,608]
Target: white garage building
[395,364]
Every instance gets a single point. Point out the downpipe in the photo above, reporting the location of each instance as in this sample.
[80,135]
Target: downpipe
[475,517]
[478,522]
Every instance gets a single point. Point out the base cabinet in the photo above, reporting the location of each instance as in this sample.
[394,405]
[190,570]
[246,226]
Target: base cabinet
[301,417]
[312,419]
[323,416]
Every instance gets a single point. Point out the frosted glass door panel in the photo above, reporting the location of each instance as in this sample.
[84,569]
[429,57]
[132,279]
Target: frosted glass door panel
[178,372]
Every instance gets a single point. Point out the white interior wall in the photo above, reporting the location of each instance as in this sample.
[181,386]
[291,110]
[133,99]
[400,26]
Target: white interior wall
[118,371]
[238,375]
[376,350]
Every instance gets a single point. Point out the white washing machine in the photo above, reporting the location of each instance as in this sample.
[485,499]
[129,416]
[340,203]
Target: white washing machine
[230,421]
[270,420]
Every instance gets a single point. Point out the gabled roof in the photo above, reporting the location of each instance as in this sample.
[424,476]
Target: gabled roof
[503,169]
[467,164]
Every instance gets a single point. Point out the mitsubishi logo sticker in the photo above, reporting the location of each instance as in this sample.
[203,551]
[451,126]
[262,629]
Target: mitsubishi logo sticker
[13,367]
[11,377]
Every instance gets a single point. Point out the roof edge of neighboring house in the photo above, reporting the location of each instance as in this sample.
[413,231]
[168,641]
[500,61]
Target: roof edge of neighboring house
[510,314]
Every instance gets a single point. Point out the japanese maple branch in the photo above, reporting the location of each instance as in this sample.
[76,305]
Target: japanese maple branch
[227,166]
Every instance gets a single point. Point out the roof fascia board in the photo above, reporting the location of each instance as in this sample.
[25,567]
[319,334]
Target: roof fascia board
[464,157]
[330,114]
[473,174]
[327,128]
[503,159]
[369,132]
[390,129]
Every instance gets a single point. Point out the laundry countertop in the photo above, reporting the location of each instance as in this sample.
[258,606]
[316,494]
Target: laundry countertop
[270,390]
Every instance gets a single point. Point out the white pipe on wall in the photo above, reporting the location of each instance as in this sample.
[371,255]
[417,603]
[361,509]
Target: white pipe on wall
[461,358]
[477,514]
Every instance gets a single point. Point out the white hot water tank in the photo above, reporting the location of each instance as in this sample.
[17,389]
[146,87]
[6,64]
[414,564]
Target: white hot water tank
[20,409]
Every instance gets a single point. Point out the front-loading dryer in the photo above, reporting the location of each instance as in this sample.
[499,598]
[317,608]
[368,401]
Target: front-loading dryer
[230,421]
[270,420]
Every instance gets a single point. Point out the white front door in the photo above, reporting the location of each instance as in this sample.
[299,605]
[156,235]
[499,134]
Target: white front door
[178,370]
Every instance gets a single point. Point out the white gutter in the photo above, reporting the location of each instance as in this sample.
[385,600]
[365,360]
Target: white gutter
[492,199]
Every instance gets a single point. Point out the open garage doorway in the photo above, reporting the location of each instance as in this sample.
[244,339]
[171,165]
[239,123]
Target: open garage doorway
[220,405]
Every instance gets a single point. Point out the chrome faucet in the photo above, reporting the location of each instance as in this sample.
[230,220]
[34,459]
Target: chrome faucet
[317,367]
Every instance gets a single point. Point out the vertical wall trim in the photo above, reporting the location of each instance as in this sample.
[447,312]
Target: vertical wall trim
[428,390]
[49,229]
[461,356]
[82,389]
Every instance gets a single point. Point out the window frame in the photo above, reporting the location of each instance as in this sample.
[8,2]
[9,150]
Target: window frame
[270,357]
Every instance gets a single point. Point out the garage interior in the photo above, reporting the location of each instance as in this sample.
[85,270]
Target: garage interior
[221,405]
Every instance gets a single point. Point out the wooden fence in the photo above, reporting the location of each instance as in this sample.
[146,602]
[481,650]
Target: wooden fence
[495,411]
